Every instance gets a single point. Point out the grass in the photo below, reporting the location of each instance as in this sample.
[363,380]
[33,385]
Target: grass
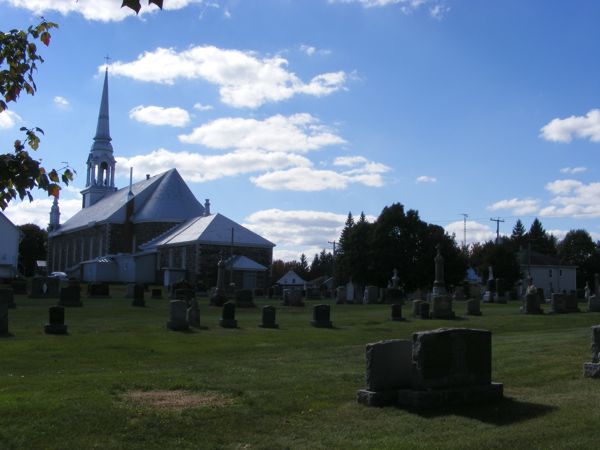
[292,387]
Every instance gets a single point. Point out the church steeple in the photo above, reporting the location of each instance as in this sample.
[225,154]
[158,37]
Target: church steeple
[54,215]
[101,162]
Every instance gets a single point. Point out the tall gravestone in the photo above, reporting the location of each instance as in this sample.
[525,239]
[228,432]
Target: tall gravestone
[340,295]
[268,317]
[441,302]
[396,312]
[488,295]
[228,316]
[592,369]
[70,295]
[558,304]
[473,307]
[56,321]
[416,308]
[321,316]
[218,297]
[8,295]
[371,295]
[500,292]
[178,316]
[593,299]
[193,314]
[138,295]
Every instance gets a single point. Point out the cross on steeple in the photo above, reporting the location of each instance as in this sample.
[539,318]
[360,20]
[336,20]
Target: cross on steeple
[107,58]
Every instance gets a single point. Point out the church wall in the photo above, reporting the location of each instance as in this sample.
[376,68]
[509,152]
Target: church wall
[67,250]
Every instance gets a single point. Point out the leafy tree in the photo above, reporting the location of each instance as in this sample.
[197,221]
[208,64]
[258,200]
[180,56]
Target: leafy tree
[578,249]
[31,248]
[19,172]
[501,257]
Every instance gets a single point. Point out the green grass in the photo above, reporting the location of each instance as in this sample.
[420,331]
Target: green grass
[290,388]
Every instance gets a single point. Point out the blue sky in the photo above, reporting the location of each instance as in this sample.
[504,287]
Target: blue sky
[287,114]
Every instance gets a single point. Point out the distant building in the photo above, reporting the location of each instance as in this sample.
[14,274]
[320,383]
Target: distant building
[291,280]
[547,272]
[9,247]
[151,231]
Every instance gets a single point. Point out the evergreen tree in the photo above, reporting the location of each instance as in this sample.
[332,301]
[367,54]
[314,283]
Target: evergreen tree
[539,240]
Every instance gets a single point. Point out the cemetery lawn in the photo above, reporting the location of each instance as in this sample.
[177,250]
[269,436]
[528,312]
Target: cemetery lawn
[121,380]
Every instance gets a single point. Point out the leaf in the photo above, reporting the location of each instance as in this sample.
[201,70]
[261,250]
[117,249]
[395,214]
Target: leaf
[133,4]
[45,38]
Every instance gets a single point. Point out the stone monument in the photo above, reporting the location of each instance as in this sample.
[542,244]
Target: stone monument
[218,297]
[228,316]
[396,312]
[138,296]
[193,313]
[488,295]
[56,321]
[70,295]
[441,302]
[592,369]
[177,320]
[321,316]
[268,317]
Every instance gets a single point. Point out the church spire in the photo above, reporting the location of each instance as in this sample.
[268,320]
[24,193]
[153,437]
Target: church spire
[101,161]
[54,215]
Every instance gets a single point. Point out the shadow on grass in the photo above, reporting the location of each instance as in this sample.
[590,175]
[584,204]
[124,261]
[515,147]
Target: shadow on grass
[505,412]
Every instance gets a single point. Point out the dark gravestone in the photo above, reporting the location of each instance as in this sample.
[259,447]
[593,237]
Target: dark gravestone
[228,316]
[56,321]
[340,295]
[292,297]
[531,304]
[184,294]
[156,293]
[473,307]
[441,307]
[558,304]
[178,311]
[424,310]
[321,316]
[193,314]
[541,296]
[393,295]
[3,316]
[45,287]
[592,369]
[571,303]
[70,296]
[268,317]
[244,298]
[19,286]
[396,313]
[138,296]
[129,290]
[98,290]
[416,308]
[7,293]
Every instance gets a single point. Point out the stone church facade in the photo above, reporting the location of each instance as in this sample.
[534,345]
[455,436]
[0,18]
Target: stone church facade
[150,230]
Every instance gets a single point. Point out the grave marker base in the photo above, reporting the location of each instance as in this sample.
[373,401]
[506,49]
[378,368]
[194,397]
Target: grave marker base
[591,370]
[228,323]
[321,324]
[55,329]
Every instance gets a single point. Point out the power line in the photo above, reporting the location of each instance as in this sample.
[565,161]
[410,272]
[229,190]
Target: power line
[497,220]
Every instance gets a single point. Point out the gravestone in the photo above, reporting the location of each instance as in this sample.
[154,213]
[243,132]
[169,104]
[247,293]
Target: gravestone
[70,295]
[473,307]
[441,307]
[531,304]
[350,292]
[592,369]
[321,316]
[19,286]
[488,296]
[3,316]
[292,297]
[218,297]
[416,308]
[424,310]
[56,321]
[340,295]
[436,368]
[500,294]
[393,295]
[244,298]
[184,294]
[156,293]
[98,290]
[371,295]
[571,302]
[178,315]
[475,291]
[138,296]
[228,316]
[593,303]
[396,312]
[7,294]
[459,293]
[129,290]
[558,305]
[268,317]
[193,314]
[541,296]
[45,287]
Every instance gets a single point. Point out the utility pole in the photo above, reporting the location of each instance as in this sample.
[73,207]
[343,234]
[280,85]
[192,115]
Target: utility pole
[497,220]
[333,286]
[465,215]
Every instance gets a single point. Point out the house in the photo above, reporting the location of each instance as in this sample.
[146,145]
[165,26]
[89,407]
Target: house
[152,231]
[9,248]
[547,272]
[291,280]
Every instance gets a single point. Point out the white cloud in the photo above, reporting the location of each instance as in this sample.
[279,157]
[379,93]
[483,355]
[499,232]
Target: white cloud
[564,130]
[200,107]
[438,11]
[38,211]
[198,168]
[158,115]
[476,232]
[8,119]
[61,102]
[573,170]
[349,161]
[310,50]
[244,79]
[573,198]
[426,179]
[518,206]
[297,133]
[100,10]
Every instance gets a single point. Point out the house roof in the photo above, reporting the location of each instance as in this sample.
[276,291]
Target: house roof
[533,258]
[161,198]
[291,278]
[212,229]
[240,262]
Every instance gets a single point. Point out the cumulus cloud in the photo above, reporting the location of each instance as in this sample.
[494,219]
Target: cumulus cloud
[564,130]
[98,10]
[200,107]
[296,133]
[198,168]
[310,50]
[349,161]
[517,206]
[437,9]
[8,119]
[297,231]
[38,211]
[61,102]
[425,179]
[476,232]
[158,115]
[573,198]
[244,79]
[573,170]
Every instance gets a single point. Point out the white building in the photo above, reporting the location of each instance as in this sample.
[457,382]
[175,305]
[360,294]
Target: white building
[9,247]
[291,280]
[548,272]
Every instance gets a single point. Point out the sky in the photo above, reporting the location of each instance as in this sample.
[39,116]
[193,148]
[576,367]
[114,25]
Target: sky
[288,114]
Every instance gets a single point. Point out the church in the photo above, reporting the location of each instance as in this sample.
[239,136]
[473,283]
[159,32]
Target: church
[152,231]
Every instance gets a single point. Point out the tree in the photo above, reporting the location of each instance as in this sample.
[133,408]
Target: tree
[31,248]
[518,237]
[578,249]
[539,240]
[136,6]
[19,172]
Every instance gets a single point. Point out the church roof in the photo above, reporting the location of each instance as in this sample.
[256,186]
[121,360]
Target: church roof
[213,229]
[161,198]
